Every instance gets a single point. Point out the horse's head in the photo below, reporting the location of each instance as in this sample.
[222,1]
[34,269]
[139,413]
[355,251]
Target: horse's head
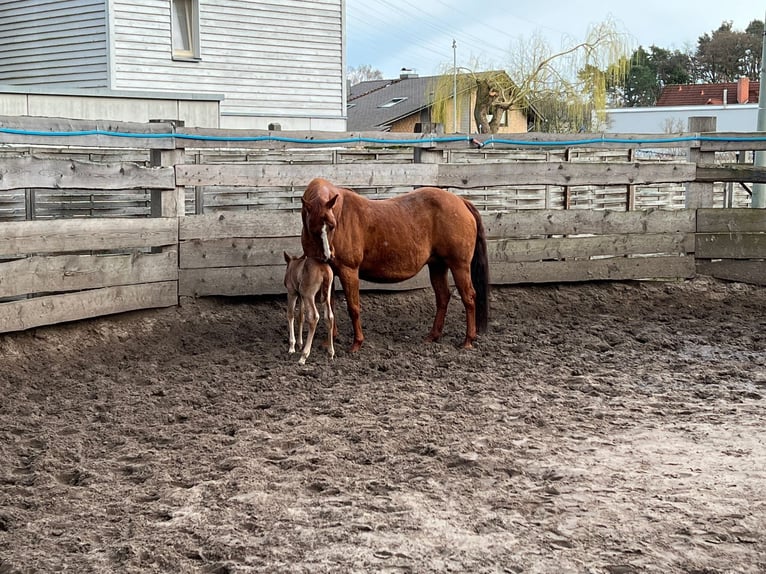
[319,219]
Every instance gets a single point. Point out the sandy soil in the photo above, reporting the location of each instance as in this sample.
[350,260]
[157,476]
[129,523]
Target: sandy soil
[609,428]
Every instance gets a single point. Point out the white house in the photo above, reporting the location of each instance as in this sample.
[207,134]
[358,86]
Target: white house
[672,119]
[733,104]
[255,62]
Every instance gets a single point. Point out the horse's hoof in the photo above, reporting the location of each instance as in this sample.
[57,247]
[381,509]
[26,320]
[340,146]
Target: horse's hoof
[355,347]
[467,345]
[291,351]
[302,360]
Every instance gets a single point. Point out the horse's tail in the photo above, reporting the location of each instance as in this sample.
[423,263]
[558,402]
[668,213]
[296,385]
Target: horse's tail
[480,271]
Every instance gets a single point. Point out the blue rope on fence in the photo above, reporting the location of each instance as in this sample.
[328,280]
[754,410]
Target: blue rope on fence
[351,140]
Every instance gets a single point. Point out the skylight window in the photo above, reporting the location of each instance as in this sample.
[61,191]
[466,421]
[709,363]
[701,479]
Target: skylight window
[392,102]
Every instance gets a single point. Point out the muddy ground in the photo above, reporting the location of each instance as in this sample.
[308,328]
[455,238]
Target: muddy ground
[603,428]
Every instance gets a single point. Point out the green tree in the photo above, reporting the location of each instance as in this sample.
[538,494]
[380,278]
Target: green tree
[647,73]
[726,54]
[750,65]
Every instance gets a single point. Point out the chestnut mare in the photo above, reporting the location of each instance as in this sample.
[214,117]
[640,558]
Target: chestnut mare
[305,278]
[390,240]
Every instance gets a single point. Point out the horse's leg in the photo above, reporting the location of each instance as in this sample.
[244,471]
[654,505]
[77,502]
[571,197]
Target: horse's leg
[312,316]
[462,276]
[292,299]
[437,273]
[330,320]
[301,317]
[349,279]
[331,306]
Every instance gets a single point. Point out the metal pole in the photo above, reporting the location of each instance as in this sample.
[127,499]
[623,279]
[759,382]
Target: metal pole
[454,86]
[759,189]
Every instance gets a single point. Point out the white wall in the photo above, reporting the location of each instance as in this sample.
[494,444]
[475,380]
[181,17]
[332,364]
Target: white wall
[667,119]
[108,105]
[53,43]
[273,61]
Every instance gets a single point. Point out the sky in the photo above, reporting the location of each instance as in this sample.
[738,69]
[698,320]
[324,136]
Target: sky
[417,34]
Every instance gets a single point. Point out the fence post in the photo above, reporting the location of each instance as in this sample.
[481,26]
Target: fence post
[169,202]
[700,194]
[428,155]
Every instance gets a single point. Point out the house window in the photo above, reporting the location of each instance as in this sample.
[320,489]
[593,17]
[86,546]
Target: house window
[185,29]
[392,102]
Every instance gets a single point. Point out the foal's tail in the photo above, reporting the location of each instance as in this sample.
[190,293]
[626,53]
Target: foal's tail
[480,271]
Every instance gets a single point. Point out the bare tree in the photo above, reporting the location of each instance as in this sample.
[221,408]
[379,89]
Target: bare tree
[362,74]
[576,77]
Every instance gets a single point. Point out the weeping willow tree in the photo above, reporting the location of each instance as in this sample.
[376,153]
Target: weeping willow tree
[566,91]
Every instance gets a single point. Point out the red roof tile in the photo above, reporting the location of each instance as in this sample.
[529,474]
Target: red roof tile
[706,94]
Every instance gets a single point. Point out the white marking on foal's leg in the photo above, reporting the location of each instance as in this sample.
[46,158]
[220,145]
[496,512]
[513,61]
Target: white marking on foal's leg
[291,300]
[329,319]
[308,306]
[325,242]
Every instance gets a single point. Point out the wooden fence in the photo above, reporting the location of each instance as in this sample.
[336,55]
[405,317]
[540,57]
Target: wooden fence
[99,217]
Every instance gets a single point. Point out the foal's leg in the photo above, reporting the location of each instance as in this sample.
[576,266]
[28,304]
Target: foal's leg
[329,319]
[462,276]
[437,273]
[309,309]
[292,299]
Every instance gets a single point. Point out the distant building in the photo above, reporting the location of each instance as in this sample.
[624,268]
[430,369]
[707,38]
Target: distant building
[406,104]
[733,104]
[254,62]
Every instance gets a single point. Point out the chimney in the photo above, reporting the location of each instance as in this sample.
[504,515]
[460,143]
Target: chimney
[743,89]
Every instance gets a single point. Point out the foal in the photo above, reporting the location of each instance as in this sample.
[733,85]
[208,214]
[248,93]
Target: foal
[306,277]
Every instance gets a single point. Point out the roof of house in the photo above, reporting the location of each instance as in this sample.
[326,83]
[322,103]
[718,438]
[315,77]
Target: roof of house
[375,105]
[707,94]
[371,104]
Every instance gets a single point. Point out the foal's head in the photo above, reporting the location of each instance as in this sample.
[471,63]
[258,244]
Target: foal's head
[319,221]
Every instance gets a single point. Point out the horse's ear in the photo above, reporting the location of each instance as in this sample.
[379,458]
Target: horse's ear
[332,200]
[287,257]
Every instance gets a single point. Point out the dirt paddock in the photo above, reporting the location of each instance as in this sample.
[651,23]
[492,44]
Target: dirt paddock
[603,428]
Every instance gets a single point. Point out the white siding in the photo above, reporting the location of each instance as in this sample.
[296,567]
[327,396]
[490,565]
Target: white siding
[55,43]
[663,119]
[271,59]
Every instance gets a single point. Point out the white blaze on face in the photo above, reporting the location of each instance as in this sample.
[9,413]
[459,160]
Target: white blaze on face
[325,242]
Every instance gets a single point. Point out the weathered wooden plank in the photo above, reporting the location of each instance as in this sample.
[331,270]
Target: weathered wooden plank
[265,280]
[731,245]
[259,139]
[731,172]
[527,223]
[616,268]
[267,175]
[585,140]
[561,173]
[29,171]
[62,235]
[514,250]
[232,281]
[744,270]
[92,133]
[734,220]
[732,141]
[41,274]
[52,309]
[237,251]
[243,224]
